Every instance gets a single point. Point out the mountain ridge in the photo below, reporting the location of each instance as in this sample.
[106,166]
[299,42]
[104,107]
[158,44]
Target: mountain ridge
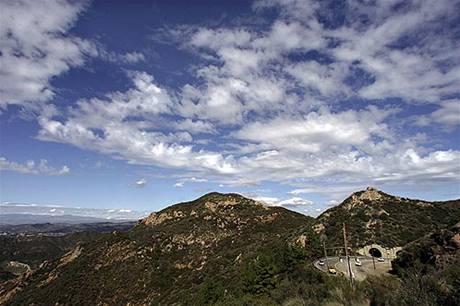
[168,256]
[371,215]
[220,246]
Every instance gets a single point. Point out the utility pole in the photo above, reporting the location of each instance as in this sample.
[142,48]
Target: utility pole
[323,238]
[346,253]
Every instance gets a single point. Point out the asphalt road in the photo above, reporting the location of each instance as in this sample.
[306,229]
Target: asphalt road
[359,272]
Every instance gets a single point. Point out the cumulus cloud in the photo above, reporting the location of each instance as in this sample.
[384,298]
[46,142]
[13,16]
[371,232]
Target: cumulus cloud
[32,167]
[295,203]
[447,114]
[106,126]
[35,47]
[298,101]
[317,130]
[353,144]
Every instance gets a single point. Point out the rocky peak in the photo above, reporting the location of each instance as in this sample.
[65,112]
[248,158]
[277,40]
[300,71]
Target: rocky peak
[370,194]
[225,198]
[214,202]
[358,198]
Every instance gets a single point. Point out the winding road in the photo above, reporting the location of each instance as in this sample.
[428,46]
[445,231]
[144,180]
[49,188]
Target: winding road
[359,272]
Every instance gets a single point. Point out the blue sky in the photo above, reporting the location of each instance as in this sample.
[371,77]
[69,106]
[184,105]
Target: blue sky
[141,104]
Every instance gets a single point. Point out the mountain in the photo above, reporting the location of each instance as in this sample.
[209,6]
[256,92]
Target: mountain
[372,216]
[218,245]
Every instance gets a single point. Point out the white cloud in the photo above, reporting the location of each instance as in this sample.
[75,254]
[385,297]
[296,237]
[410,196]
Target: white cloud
[415,73]
[447,114]
[111,56]
[105,126]
[141,183]
[295,203]
[316,131]
[350,146]
[260,109]
[133,57]
[267,200]
[32,167]
[58,210]
[35,48]
[329,190]
[195,127]
[323,80]
[182,181]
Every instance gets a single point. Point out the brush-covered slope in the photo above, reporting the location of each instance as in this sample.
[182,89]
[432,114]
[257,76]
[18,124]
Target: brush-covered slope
[433,263]
[31,244]
[183,255]
[373,216]
[435,251]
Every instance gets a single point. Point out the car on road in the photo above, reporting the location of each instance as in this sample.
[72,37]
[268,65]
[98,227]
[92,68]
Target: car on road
[358,263]
[321,262]
[381,259]
[332,271]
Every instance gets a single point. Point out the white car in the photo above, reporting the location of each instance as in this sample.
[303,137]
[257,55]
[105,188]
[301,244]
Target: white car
[381,259]
[358,263]
[321,262]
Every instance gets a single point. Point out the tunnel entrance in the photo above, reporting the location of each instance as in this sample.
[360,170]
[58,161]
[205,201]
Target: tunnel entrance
[375,252]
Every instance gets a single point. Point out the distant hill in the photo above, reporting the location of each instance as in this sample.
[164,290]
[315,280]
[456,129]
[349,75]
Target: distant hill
[66,228]
[187,252]
[373,216]
[16,219]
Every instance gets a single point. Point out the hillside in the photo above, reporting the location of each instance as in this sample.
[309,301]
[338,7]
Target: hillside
[436,250]
[185,252]
[31,244]
[433,263]
[373,216]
